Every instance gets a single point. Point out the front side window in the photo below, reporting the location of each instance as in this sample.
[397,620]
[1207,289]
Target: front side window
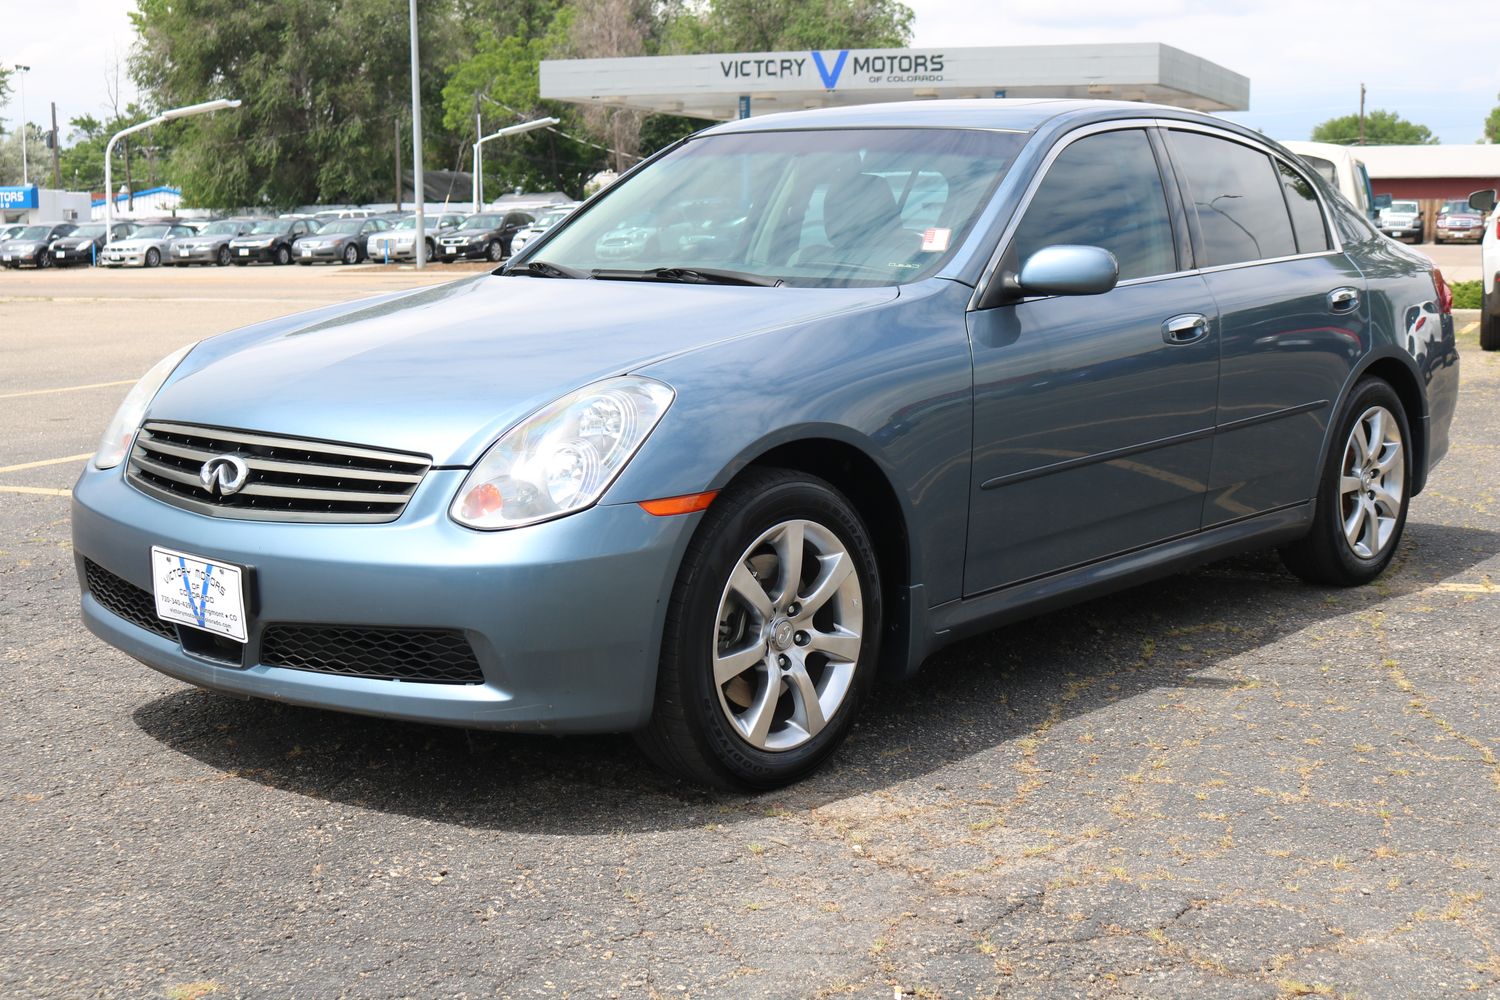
[1105,191]
[1242,215]
[1306,212]
[820,207]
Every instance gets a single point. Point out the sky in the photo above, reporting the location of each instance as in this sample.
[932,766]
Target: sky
[1305,58]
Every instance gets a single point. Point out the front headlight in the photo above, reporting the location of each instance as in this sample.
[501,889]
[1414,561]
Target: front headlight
[117,436]
[563,457]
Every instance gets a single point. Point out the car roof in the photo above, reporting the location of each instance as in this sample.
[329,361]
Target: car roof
[1008,114]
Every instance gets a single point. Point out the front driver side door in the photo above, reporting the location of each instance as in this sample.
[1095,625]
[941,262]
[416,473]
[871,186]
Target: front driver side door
[1093,414]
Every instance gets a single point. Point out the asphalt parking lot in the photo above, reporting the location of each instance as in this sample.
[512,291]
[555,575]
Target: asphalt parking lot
[1226,784]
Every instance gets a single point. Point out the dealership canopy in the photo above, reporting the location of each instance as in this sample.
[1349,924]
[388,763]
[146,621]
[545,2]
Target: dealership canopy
[736,84]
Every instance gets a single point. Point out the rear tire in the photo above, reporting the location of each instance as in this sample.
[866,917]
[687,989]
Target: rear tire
[1363,493]
[1489,321]
[757,683]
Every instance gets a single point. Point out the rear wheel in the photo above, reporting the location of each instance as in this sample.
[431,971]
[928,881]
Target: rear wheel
[1362,494]
[771,636]
[1489,321]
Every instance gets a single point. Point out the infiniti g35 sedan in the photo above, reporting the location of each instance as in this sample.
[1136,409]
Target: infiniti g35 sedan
[959,362]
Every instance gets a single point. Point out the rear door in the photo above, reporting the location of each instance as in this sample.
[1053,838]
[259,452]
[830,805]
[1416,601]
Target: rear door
[1292,317]
[1093,414]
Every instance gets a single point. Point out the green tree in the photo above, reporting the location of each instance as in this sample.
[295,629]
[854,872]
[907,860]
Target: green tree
[1492,125]
[781,25]
[1382,128]
[325,88]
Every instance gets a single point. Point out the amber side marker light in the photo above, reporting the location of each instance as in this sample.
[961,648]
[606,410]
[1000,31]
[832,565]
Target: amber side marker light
[667,506]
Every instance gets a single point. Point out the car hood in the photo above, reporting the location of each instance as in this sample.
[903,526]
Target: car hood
[22,244]
[257,238]
[129,245]
[1459,217]
[442,371]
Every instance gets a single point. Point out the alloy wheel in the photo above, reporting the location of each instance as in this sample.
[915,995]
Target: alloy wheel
[1372,483]
[788,636]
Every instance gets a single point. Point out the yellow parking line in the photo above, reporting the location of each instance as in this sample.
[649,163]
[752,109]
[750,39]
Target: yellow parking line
[38,490]
[1466,588]
[1470,328]
[46,461]
[67,388]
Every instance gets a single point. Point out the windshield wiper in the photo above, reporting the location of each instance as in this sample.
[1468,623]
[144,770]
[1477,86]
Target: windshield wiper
[546,269]
[687,276]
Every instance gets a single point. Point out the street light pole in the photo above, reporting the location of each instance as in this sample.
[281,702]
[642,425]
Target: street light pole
[109,150]
[25,175]
[478,151]
[419,191]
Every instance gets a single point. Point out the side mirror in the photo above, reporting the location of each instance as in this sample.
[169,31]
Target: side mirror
[1483,201]
[1068,270]
[1382,201]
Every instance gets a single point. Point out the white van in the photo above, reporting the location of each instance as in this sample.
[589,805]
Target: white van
[1341,168]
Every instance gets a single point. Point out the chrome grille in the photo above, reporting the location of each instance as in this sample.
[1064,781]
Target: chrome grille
[290,479]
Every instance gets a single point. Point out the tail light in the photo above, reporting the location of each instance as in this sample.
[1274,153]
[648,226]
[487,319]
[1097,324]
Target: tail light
[1443,292]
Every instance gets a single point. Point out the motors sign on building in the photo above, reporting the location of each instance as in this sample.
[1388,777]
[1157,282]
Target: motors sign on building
[712,85]
[18,197]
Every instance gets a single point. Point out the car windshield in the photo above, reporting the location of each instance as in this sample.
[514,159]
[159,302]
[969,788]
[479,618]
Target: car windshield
[821,208]
[552,218]
[481,222]
[224,228]
[1403,206]
[34,233]
[272,226]
[1456,207]
[150,232]
[85,231]
[410,222]
[343,226]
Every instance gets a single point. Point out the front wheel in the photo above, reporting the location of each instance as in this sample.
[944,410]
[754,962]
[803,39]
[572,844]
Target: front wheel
[221,259]
[1362,494]
[494,251]
[283,255]
[351,254]
[153,257]
[771,636]
[44,260]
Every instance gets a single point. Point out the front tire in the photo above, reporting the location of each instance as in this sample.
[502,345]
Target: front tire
[494,251]
[153,257]
[221,259]
[1363,493]
[771,636]
[283,255]
[351,254]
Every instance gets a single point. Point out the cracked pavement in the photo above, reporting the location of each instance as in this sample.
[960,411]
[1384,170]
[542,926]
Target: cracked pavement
[1225,784]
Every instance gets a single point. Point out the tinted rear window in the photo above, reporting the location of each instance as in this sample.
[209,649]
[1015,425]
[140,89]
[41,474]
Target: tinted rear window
[1306,212]
[1241,213]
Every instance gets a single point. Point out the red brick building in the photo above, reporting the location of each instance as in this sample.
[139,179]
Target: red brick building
[1431,175]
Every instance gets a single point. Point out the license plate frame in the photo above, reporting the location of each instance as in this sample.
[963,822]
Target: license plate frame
[199,592]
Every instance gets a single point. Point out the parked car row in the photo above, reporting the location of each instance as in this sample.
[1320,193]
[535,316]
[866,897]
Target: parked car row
[348,236]
[1456,222]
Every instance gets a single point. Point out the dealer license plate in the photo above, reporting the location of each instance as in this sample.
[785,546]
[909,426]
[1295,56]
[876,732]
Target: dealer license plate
[199,592]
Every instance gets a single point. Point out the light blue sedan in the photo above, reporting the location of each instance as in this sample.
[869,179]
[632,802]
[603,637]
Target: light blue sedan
[869,380]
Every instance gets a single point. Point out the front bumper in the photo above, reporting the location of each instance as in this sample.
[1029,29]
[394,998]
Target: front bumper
[71,257]
[207,255]
[381,252]
[1471,234]
[564,617]
[17,258]
[246,255]
[302,253]
[466,251]
[123,258]
[1402,232]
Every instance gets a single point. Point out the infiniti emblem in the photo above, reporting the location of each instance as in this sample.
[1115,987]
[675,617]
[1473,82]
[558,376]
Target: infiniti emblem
[224,475]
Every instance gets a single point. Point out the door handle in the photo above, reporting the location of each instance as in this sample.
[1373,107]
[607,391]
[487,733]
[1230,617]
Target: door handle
[1342,300]
[1188,328]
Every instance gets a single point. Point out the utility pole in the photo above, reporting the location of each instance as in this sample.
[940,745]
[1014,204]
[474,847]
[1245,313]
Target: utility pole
[478,164]
[23,70]
[398,163]
[1361,114]
[418,190]
[56,143]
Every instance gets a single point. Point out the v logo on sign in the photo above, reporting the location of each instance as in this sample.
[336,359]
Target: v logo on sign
[830,77]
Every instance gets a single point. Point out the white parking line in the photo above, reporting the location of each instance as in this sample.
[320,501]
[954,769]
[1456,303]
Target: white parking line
[67,388]
[45,461]
[37,490]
